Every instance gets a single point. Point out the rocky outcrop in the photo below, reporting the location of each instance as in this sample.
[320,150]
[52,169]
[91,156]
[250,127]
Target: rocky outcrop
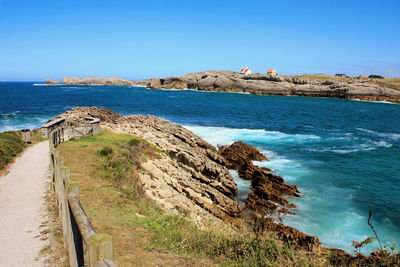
[290,235]
[268,190]
[267,84]
[100,81]
[191,179]
[52,82]
[239,153]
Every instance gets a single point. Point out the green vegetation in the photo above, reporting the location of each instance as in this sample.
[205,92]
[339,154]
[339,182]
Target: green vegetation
[11,145]
[374,76]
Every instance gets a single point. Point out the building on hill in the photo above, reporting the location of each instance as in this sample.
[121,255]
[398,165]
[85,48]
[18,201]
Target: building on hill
[340,75]
[363,77]
[246,70]
[272,72]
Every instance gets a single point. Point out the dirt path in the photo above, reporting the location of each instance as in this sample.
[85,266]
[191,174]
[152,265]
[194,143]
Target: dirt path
[23,213]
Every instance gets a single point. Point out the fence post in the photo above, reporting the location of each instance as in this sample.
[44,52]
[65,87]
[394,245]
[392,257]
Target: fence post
[72,187]
[98,248]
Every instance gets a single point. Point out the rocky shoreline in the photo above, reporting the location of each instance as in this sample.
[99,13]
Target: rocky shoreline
[267,84]
[193,179]
[261,84]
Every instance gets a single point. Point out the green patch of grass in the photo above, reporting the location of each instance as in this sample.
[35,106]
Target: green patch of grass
[11,145]
[37,137]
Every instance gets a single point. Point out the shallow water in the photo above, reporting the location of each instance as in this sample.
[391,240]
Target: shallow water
[344,155]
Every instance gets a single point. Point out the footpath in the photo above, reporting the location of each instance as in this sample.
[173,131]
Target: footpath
[23,215]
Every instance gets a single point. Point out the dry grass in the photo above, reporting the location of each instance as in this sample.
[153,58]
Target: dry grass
[324,77]
[388,83]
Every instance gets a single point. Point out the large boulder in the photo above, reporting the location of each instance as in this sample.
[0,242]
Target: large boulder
[154,83]
[174,83]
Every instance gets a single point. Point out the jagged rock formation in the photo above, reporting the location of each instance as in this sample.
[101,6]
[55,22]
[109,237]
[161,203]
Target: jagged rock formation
[239,153]
[193,179]
[268,190]
[291,235]
[266,84]
[51,82]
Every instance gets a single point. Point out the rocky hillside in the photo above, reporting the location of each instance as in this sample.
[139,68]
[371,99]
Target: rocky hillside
[192,179]
[266,84]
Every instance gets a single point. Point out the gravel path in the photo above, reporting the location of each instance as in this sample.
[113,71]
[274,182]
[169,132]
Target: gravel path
[23,213]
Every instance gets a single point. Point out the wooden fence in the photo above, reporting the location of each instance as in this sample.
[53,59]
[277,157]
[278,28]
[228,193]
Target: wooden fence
[85,247]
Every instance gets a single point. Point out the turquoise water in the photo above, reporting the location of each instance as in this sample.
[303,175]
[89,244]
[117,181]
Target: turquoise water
[344,155]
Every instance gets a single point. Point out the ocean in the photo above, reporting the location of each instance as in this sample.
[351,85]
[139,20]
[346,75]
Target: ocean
[344,155]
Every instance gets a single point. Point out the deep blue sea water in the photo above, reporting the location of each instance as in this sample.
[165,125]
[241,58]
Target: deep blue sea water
[344,155]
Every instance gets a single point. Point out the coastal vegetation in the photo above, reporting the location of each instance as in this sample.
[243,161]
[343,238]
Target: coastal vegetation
[107,166]
[11,145]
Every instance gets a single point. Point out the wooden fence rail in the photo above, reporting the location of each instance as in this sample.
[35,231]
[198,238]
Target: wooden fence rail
[85,247]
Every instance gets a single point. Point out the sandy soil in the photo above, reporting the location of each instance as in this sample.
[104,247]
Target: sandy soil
[23,216]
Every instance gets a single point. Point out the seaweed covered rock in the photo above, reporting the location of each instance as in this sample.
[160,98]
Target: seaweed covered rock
[268,190]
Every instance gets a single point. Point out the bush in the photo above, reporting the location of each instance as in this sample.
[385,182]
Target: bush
[134,142]
[375,76]
[105,151]
[11,145]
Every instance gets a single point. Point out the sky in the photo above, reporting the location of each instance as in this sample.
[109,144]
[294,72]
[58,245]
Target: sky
[142,39]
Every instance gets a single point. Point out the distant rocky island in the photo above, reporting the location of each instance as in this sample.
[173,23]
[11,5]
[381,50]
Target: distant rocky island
[96,81]
[274,84]
[362,88]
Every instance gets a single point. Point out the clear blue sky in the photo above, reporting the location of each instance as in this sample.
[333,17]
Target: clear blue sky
[142,39]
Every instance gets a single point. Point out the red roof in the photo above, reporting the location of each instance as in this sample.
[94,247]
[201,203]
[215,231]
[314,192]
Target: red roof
[271,70]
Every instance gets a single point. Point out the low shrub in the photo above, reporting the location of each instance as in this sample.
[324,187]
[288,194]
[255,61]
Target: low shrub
[105,151]
[11,145]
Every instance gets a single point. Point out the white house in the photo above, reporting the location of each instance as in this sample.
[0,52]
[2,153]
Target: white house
[246,70]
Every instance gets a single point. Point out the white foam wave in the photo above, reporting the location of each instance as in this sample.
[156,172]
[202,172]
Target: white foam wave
[353,149]
[393,136]
[225,136]
[381,102]
[43,84]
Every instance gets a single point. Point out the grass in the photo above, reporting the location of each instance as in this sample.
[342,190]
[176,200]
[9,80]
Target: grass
[11,145]
[107,167]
